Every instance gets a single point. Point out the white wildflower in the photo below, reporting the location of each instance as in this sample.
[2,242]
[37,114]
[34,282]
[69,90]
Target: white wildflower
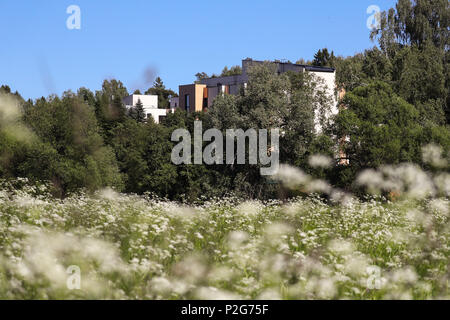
[291,176]
[319,161]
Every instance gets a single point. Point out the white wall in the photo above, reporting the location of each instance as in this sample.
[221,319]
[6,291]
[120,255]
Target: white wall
[156,113]
[149,102]
[329,84]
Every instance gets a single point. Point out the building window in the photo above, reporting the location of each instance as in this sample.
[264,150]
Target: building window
[187,101]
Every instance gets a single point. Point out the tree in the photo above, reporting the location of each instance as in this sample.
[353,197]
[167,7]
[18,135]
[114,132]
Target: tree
[308,105]
[376,66]
[158,84]
[415,22]
[234,70]
[5,89]
[140,112]
[117,109]
[114,89]
[304,62]
[285,101]
[70,151]
[387,34]
[132,113]
[382,128]
[349,73]
[323,58]
[200,76]
[86,96]
[414,35]
[109,107]
[362,68]
[163,94]
[143,153]
[419,77]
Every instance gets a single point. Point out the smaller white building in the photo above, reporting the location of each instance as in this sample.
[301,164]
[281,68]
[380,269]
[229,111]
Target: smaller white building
[150,104]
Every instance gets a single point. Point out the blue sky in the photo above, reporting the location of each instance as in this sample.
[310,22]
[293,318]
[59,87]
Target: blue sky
[126,40]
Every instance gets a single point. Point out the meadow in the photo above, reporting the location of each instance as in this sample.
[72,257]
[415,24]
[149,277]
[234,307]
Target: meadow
[383,246]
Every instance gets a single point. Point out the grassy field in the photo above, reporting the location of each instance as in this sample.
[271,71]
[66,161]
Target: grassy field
[136,247]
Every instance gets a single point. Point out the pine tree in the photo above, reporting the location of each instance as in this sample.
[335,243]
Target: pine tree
[158,84]
[118,109]
[159,89]
[140,112]
[132,113]
[323,58]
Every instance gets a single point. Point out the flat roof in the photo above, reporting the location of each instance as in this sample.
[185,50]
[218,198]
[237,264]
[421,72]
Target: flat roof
[307,67]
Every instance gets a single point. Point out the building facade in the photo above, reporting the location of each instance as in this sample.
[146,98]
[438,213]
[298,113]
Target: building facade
[192,97]
[200,96]
[174,102]
[150,105]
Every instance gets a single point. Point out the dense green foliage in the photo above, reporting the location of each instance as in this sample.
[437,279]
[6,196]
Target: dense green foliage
[64,145]
[397,101]
[137,112]
[382,128]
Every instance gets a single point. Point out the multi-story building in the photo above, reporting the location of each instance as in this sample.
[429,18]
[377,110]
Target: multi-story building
[150,104]
[193,97]
[200,96]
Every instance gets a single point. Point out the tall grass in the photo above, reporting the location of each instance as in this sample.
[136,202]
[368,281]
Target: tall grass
[138,247]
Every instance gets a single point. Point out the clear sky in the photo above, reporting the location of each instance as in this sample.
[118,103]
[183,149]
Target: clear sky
[135,40]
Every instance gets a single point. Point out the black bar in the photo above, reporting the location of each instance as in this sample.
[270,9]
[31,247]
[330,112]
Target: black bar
[223,309]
